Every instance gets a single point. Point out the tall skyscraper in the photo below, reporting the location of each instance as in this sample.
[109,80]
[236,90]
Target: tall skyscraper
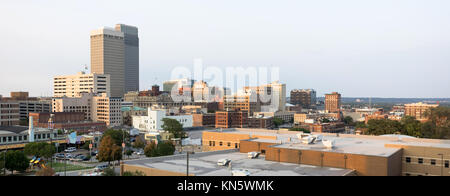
[131,56]
[108,57]
[333,102]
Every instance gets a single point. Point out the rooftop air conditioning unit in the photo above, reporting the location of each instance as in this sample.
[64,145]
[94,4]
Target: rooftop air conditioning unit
[328,143]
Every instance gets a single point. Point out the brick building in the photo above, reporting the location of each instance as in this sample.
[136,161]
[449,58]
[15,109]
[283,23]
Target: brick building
[231,119]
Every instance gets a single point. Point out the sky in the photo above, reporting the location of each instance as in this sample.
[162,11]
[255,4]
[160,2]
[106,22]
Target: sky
[383,48]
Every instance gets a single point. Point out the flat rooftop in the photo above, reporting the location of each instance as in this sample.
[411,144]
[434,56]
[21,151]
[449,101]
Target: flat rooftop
[205,164]
[344,143]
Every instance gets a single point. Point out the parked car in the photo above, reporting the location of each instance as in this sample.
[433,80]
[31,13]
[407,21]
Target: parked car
[59,156]
[223,162]
[94,153]
[240,172]
[70,149]
[139,152]
[100,168]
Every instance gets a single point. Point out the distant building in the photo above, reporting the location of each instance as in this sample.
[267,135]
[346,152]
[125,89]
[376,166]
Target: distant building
[72,85]
[418,110]
[231,119]
[67,121]
[97,107]
[9,113]
[272,96]
[153,121]
[260,122]
[204,120]
[333,102]
[303,97]
[28,104]
[247,102]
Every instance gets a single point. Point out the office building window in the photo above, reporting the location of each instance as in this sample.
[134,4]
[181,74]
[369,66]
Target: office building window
[433,162]
[420,161]
[408,159]
[446,164]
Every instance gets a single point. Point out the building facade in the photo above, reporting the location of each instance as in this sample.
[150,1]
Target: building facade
[333,102]
[303,97]
[153,121]
[72,85]
[97,107]
[108,57]
[131,50]
[419,110]
[231,119]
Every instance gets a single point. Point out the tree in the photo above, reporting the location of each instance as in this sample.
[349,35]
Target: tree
[165,149]
[16,161]
[411,126]
[86,145]
[300,129]
[174,127]
[383,126]
[108,150]
[150,150]
[138,143]
[117,136]
[325,120]
[278,121]
[40,149]
[48,171]
[348,120]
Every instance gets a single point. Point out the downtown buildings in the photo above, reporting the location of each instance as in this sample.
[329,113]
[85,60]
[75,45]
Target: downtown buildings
[306,98]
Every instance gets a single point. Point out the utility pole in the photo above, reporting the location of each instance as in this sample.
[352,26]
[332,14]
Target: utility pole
[187,162]
[442,162]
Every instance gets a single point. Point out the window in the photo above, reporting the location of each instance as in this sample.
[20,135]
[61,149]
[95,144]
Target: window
[210,143]
[236,145]
[229,144]
[408,159]
[420,161]
[433,162]
[220,143]
[407,174]
[446,164]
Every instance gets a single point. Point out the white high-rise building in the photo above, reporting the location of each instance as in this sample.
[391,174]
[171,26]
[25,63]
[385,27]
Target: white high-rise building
[72,85]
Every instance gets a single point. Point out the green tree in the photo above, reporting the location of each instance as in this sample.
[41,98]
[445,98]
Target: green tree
[383,126]
[40,149]
[16,161]
[348,120]
[411,126]
[165,148]
[86,145]
[108,150]
[174,127]
[300,129]
[278,121]
[118,136]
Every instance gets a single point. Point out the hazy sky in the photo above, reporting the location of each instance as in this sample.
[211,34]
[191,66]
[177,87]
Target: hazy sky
[382,48]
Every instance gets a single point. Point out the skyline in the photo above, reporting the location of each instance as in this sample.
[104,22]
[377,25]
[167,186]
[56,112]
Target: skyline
[405,50]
